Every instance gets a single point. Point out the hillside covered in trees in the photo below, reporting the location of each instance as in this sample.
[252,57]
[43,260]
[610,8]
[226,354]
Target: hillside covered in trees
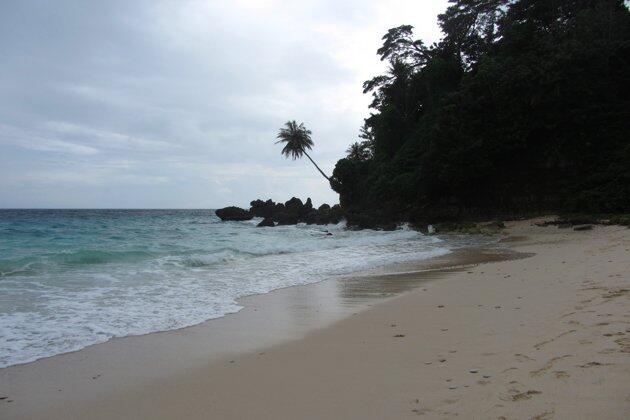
[523,106]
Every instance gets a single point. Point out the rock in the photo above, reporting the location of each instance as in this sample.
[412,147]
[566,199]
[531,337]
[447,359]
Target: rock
[311,217]
[291,212]
[286,218]
[267,208]
[583,227]
[361,221]
[496,225]
[388,226]
[336,214]
[266,222]
[233,213]
[294,205]
[261,208]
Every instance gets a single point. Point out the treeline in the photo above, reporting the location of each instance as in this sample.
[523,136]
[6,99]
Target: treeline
[523,106]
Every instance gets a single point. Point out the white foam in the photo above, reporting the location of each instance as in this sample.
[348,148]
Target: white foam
[62,312]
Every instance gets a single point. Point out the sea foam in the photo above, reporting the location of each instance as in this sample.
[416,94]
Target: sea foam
[69,279]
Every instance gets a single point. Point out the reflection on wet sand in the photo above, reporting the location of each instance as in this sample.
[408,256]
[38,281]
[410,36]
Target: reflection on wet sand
[392,280]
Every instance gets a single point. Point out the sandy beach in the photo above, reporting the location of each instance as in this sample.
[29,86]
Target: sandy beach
[541,337]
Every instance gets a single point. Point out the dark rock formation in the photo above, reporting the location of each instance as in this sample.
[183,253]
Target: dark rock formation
[290,213]
[294,205]
[267,208]
[376,221]
[286,218]
[266,222]
[234,213]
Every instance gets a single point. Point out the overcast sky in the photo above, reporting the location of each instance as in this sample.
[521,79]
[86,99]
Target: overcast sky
[176,104]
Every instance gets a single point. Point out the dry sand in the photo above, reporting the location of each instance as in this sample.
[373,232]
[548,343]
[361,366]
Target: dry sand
[543,337]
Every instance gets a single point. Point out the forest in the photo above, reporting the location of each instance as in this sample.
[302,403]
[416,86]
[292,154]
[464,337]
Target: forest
[522,107]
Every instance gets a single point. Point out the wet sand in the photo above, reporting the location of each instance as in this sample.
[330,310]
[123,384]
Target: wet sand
[543,336]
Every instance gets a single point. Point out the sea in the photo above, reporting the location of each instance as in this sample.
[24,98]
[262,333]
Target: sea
[73,278]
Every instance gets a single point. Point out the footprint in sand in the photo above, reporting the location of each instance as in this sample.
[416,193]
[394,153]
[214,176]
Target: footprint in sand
[525,395]
[613,334]
[614,293]
[595,364]
[516,395]
[544,416]
[421,411]
[542,343]
[547,366]
[624,343]
[521,357]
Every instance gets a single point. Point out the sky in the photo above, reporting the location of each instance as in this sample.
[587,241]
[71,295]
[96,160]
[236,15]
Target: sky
[177,103]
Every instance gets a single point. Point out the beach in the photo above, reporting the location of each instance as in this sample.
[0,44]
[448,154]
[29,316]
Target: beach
[541,331]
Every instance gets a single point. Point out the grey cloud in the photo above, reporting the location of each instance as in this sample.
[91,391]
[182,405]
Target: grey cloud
[152,103]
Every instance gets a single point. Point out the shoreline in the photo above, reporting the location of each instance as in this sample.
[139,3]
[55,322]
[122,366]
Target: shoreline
[163,374]
[453,259]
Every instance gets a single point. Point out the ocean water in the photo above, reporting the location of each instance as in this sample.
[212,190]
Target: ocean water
[72,278]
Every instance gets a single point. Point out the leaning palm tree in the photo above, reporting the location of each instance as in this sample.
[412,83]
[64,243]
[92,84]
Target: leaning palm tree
[298,140]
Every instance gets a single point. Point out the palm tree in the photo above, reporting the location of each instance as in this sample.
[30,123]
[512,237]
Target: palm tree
[298,140]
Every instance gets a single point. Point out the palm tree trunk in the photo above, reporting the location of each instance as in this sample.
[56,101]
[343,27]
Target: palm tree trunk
[313,162]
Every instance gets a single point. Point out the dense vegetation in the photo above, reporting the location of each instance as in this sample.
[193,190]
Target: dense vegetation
[522,107]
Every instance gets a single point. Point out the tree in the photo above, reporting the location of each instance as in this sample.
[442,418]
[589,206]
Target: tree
[523,105]
[297,140]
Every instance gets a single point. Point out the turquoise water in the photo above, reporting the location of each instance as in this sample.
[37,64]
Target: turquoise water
[72,278]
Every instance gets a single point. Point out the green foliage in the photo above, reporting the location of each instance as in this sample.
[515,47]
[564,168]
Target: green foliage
[297,139]
[523,106]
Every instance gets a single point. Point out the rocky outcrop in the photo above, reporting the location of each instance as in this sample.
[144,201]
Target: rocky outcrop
[290,213]
[234,213]
[267,208]
[285,218]
[266,222]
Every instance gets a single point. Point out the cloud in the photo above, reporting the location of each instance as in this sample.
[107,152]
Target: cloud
[177,103]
